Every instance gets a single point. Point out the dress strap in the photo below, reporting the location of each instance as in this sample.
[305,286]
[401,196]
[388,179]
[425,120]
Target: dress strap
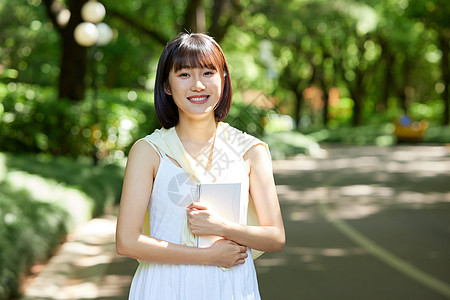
[160,153]
[256,144]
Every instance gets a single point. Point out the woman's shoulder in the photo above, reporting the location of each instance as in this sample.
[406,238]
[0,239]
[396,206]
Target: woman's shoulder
[143,146]
[144,154]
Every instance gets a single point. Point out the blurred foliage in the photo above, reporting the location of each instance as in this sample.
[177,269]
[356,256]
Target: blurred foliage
[25,222]
[32,119]
[382,55]
[371,50]
[29,49]
[427,111]
[247,118]
[377,134]
[381,134]
[285,144]
[437,134]
[42,198]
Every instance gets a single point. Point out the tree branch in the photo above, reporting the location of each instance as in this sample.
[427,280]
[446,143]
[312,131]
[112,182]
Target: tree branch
[190,16]
[150,32]
[219,11]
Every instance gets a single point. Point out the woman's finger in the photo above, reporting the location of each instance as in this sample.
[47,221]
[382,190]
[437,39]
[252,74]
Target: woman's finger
[196,206]
[194,213]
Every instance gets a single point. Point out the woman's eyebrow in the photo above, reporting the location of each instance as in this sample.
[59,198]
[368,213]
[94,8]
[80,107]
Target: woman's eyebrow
[185,67]
[200,67]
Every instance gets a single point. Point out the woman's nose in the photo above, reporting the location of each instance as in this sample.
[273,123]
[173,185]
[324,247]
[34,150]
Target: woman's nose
[198,85]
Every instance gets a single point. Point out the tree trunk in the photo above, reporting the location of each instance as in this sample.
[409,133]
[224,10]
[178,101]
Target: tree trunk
[387,83]
[73,61]
[217,11]
[325,90]
[73,56]
[444,43]
[357,94]
[73,69]
[223,15]
[194,17]
[389,59]
[298,108]
[403,95]
[357,91]
[326,95]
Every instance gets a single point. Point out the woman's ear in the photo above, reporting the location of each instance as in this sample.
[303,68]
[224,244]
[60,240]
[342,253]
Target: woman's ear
[167,89]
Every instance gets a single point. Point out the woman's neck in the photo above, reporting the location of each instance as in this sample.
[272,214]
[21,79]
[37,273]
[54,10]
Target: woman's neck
[196,131]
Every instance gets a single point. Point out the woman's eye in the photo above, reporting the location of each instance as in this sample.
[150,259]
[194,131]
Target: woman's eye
[209,73]
[183,75]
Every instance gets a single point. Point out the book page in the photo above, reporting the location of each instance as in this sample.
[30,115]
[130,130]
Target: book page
[225,200]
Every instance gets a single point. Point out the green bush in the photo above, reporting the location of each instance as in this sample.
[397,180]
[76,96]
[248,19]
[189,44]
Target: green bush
[437,134]
[42,198]
[377,134]
[248,118]
[362,135]
[283,144]
[430,111]
[29,230]
[32,119]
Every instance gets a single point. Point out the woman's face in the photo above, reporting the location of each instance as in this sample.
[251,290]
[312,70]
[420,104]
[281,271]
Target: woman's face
[196,91]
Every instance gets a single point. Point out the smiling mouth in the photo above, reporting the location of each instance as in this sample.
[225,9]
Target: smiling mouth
[198,99]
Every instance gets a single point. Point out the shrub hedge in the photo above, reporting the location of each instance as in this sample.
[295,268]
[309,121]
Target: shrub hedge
[32,119]
[43,198]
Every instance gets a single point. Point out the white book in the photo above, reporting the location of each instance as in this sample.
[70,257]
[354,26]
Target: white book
[224,199]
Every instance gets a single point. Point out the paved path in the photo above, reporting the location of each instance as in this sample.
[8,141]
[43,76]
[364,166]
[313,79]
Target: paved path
[85,267]
[361,223]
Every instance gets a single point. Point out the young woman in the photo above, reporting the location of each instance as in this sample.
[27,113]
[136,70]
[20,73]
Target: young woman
[192,97]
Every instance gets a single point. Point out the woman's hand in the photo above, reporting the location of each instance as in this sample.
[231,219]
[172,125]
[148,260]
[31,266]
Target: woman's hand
[204,221]
[224,253]
[227,254]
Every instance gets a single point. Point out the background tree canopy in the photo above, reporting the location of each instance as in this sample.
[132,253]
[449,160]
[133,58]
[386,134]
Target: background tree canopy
[324,64]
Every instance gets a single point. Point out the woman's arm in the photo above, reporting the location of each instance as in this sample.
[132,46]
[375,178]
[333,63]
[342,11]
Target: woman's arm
[142,165]
[269,236]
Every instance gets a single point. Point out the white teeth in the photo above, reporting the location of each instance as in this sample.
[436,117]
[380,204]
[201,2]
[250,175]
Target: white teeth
[198,99]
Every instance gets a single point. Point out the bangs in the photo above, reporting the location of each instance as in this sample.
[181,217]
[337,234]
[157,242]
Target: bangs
[194,53]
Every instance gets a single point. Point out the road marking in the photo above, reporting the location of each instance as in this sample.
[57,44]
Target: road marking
[385,256]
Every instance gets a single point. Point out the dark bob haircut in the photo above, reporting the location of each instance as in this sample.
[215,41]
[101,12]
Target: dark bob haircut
[194,50]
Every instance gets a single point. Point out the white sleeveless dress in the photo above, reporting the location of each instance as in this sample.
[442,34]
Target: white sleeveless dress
[172,191]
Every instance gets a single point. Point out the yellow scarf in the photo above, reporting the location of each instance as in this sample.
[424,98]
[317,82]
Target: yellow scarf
[167,141]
